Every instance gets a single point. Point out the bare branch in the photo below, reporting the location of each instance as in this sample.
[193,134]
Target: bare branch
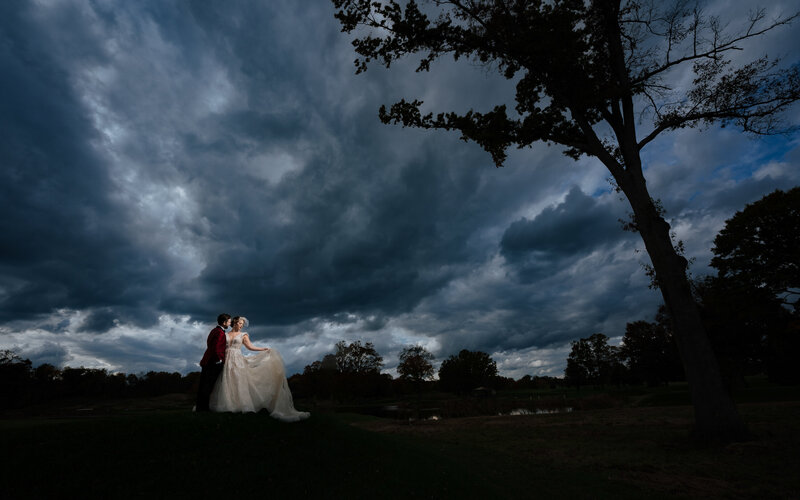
[717,45]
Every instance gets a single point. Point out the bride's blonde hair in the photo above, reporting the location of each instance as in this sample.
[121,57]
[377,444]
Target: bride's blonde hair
[237,318]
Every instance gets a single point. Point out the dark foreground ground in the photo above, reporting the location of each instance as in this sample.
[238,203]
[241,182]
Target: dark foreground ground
[159,449]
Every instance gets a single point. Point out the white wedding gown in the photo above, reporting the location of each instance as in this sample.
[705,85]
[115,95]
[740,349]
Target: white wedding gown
[251,383]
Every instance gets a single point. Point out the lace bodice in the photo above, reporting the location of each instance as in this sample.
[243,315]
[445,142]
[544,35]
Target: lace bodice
[234,342]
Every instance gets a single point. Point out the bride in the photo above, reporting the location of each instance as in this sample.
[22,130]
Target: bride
[250,383]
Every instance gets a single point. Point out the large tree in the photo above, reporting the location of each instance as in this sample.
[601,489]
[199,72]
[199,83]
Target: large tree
[760,246]
[357,358]
[415,364]
[586,72]
[742,321]
[650,352]
[746,306]
[593,360]
[467,371]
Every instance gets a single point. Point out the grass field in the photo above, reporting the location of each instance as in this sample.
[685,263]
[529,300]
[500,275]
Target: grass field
[159,449]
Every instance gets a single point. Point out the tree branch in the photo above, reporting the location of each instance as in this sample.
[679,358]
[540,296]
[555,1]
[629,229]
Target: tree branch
[717,47]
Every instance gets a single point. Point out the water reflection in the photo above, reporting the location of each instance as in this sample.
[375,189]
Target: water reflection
[538,411]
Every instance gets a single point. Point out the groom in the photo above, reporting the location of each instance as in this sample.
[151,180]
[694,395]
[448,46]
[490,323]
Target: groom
[212,361]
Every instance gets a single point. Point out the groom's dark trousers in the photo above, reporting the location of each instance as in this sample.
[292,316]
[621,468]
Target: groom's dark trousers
[208,376]
[212,364]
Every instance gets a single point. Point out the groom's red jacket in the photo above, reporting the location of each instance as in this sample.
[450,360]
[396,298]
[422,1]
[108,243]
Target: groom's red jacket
[215,350]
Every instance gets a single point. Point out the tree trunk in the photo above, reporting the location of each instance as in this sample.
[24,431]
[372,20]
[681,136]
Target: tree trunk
[716,417]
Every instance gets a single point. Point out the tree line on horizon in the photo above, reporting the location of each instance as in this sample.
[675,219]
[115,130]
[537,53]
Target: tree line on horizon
[749,309]
[352,372]
[22,384]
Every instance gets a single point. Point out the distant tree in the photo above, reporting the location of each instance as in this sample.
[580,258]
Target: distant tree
[158,383]
[83,382]
[593,360]
[740,317]
[47,373]
[47,381]
[357,358]
[524,382]
[20,384]
[759,247]
[352,371]
[15,379]
[326,364]
[319,379]
[10,357]
[746,306]
[132,381]
[537,382]
[467,371]
[190,381]
[502,383]
[579,364]
[587,73]
[650,353]
[606,360]
[313,367]
[415,364]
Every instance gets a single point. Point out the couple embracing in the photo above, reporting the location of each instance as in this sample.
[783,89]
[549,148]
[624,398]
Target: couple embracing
[232,382]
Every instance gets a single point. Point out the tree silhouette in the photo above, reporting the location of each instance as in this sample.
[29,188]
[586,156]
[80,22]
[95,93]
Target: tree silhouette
[593,360]
[759,246]
[47,381]
[21,384]
[538,382]
[318,379]
[15,379]
[650,353]
[740,319]
[579,366]
[415,367]
[353,370]
[586,72]
[415,364]
[467,371]
[357,358]
[757,256]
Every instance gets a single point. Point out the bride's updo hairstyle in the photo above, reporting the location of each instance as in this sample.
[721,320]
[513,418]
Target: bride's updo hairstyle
[237,318]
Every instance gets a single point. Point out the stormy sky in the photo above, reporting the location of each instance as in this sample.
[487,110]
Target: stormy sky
[163,162]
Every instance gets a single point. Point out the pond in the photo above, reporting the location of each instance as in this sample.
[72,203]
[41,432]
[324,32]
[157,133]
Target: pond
[538,411]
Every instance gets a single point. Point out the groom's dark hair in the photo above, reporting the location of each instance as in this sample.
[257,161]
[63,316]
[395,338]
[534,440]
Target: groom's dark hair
[222,318]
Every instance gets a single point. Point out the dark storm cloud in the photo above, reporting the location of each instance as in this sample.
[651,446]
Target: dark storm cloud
[577,226]
[364,231]
[67,242]
[358,227]
[365,239]
[103,319]
[597,292]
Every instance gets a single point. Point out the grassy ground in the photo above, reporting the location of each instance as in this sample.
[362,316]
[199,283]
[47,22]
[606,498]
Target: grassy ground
[159,449]
[645,447]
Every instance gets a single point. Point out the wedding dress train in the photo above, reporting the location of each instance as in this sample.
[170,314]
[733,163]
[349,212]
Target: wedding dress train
[251,383]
